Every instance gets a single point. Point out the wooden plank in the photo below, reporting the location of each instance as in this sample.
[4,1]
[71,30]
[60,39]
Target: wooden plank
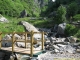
[21,50]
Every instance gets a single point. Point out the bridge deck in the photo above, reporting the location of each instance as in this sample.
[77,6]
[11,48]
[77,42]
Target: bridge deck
[21,50]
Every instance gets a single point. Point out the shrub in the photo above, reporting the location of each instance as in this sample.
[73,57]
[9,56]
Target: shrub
[71,30]
[60,17]
[76,17]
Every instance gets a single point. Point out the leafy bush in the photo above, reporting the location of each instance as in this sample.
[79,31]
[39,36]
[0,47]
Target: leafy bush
[76,17]
[13,8]
[78,34]
[72,9]
[71,30]
[60,17]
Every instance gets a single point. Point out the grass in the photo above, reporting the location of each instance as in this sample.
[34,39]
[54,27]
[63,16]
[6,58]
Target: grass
[13,24]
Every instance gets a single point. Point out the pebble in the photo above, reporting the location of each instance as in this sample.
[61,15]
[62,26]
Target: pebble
[49,56]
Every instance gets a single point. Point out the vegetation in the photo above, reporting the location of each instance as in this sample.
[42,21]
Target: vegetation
[60,17]
[13,8]
[59,11]
[72,30]
[14,26]
[76,17]
[72,9]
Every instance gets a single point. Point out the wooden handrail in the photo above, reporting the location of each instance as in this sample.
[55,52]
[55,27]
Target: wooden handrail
[25,41]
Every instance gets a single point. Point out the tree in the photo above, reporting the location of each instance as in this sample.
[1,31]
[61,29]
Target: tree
[72,9]
[61,12]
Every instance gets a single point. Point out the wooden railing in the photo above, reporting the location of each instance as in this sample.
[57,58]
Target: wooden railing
[25,41]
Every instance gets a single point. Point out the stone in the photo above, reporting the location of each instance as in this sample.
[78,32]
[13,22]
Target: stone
[6,43]
[78,50]
[36,45]
[72,39]
[3,19]
[23,14]
[61,45]
[56,50]
[4,55]
[29,27]
[25,57]
[20,44]
[61,28]
[70,49]
[55,46]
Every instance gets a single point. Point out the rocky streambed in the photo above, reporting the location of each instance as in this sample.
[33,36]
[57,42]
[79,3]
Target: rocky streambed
[61,49]
[57,48]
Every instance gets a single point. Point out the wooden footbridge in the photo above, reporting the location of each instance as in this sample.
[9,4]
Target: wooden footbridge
[30,51]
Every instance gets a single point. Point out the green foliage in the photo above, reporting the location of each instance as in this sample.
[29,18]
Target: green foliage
[72,9]
[13,8]
[13,24]
[10,8]
[60,17]
[71,30]
[76,17]
[78,34]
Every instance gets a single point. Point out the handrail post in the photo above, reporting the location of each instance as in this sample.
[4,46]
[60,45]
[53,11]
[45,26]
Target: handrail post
[0,40]
[13,42]
[42,40]
[25,39]
[31,43]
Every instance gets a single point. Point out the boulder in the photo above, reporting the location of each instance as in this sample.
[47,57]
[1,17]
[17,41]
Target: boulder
[61,28]
[71,39]
[4,55]
[29,27]
[70,49]
[55,46]
[61,45]
[56,50]
[6,43]
[3,19]
[23,14]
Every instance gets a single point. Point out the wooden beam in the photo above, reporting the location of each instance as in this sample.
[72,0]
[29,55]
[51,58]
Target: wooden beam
[13,42]
[25,39]
[31,43]
[42,40]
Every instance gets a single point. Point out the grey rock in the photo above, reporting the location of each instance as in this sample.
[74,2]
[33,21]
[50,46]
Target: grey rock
[3,19]
[23,14]
[56,51]
[61,45]
[72,39]
[6,43]
[29,27]
[70,49]
[25,57]
[55,46]
[61,28]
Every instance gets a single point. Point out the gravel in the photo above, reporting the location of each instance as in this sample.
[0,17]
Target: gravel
[59,56]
